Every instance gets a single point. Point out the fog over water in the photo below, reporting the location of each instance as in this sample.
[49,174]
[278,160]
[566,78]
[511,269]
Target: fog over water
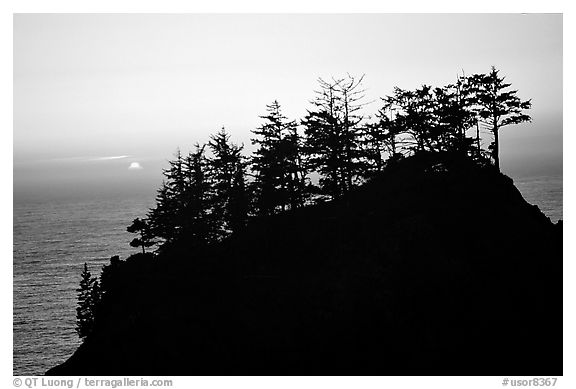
[92,86]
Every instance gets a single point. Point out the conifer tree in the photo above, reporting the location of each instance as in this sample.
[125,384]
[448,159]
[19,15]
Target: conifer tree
[415,115]
[383,137]
[227,168]
[146,237]
[497,106]
[199,223]
[238,199]
[175,177]
[163,218]
[267,163]
[88,300]
[296,170]
[351,97]
[454,115]
[183,203]
[333,134]
[167,219]
[375,146]
[277,163]
[96,294]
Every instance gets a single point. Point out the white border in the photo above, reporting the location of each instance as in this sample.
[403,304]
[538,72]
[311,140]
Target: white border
[300,6]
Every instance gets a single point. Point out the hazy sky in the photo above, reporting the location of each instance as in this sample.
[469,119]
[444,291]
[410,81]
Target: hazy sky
[90,87]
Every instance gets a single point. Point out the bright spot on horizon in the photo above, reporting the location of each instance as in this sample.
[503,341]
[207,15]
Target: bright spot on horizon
[135,166]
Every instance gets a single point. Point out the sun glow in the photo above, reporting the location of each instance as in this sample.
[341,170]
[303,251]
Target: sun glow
[135,166]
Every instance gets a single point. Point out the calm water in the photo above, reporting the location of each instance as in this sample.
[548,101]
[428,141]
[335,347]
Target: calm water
[52,241]
[546,192]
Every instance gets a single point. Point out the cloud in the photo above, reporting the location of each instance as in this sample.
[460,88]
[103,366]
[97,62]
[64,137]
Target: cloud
[83,159]
[109,158]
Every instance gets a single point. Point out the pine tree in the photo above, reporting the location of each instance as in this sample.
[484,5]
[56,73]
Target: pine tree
[352,96]
[166,220]
[146,238]
[96,295]
[267,162]
[497,106]
[174,175]
[238,200]
[88,300]
[415,116]
[454,116]
[333,135]
[175,179]
[383,137]
[163,218]
[228,186]
[277,163]
[296,170]
[199,223]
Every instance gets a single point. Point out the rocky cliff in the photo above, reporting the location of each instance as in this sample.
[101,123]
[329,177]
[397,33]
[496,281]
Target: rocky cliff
[435,267]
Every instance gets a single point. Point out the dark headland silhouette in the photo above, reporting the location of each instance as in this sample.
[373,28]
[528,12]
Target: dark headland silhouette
[427,263]
[430,269]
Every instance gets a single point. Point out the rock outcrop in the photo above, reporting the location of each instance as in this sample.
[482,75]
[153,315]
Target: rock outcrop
[432,268]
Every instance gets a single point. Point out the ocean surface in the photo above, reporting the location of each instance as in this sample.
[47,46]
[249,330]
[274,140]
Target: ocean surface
[545,192]
[53,240]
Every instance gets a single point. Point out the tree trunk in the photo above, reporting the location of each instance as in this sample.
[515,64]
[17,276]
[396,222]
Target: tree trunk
[478,138]
[495,152]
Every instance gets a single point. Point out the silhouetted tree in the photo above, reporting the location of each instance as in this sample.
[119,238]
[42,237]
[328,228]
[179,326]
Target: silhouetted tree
[497,106]
[415,115]
[207,198]
[351,98]
[374,142]
[185,202]
[383,137]
[427,119]
[199,223]
[175,176]
[267,162]
[146,238]
[88,300]
[453,115]
[333,134]
[297,181]
[163,218]
[277,163]
[167,219]
[227,171]
[239,202]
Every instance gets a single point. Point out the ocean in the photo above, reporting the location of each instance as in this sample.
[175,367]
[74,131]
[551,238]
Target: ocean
[53,240]
[545,192]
